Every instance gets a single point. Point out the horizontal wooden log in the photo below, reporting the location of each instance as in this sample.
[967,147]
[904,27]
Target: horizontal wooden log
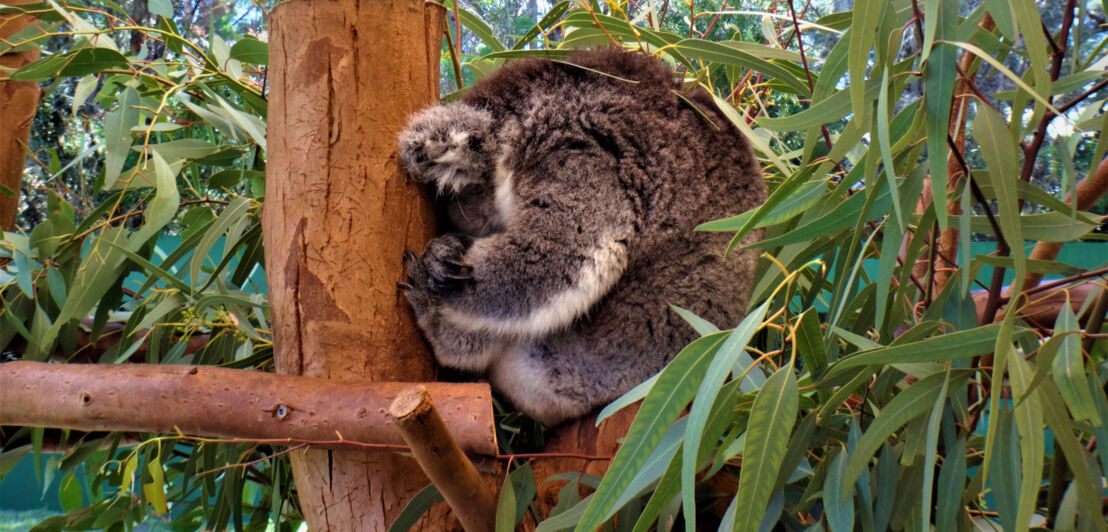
[229,403]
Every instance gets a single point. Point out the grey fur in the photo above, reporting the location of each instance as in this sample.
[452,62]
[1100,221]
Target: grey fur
[575,195]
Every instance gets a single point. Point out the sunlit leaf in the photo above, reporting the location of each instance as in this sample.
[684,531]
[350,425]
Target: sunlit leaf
[771,422]
[117,134]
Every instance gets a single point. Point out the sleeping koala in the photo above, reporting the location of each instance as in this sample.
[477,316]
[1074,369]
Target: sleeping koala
[574,188]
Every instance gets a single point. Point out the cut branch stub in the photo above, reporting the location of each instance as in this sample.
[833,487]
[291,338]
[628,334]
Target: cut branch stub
[441,459]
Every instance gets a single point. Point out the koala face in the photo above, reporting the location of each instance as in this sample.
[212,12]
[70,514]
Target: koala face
[574,196]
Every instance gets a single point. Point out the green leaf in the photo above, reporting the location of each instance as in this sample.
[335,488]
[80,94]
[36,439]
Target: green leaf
[904,407]
[891,238]
[809,342]
[1054,413]
[1031,28]
[117,135]
[162,208]
[1032,448]
[1069,368]
[82,92]
[632,395]
[822,112]
[231,215]
[254,126]
[938,83]
[767,436]
[129,469]
[885,147]
[838,498]
[251,50]
[176,150]
[1047,227]
[155,489]
[952,346]
[844,215]
[702,326]
[506,507]
[523,480]
[994,139]
[952,482]
[1004,17]
[930,449]
[718,371]
[70,494]
[231,178]
[666,490]
[863,33]
[802,200]
[1034,266]
[162,8]
[719,53]
[416,507]
[675,387]
[1000,362]
[759,145]
[993,62]
[887,467]
[547,21]
[521,54]
[475,24]
[778,196]
[77,63]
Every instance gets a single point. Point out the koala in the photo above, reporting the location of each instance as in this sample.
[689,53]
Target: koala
[573,188]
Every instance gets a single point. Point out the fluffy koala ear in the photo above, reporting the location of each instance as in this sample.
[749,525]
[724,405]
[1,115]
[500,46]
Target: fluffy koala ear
[449,146]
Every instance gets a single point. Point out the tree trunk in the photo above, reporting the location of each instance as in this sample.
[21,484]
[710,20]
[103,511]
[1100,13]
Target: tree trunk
[18,101]
[339,214]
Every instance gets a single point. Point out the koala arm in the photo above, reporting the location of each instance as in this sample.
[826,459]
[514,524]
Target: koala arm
[564,247]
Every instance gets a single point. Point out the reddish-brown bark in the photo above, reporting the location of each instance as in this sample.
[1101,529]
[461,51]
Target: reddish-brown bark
[18,101]
[228,403]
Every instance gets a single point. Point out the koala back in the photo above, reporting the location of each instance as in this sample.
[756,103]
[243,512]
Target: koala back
[576,186]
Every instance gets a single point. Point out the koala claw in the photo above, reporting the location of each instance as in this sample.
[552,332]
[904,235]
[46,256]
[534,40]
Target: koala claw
[442,269]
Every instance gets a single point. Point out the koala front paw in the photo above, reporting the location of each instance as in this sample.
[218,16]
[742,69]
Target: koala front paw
[448,146]
[441,270]
[446,266]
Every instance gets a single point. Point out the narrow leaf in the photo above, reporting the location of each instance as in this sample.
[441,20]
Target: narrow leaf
[1069,368]
[771,421]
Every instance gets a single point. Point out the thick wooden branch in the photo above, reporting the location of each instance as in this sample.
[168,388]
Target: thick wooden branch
[228,403]
[441,459]
[1089,191]
[1044,307]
